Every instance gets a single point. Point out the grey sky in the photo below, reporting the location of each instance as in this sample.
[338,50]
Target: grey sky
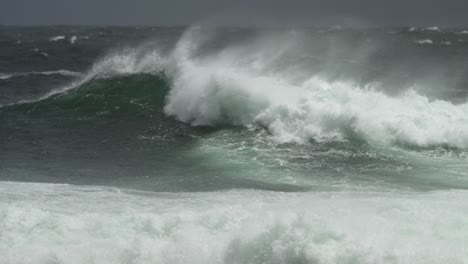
[237,12]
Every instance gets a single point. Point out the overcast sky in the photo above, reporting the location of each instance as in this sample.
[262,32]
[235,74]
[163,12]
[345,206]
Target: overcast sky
[235,12]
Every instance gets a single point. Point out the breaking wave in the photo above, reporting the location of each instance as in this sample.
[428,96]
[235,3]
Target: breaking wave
[267,83]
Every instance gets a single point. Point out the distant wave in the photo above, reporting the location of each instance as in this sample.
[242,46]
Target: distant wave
[433,29]
[5,76]
[72,39]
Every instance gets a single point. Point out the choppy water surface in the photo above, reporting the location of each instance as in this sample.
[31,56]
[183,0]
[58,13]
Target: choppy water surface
[201,145]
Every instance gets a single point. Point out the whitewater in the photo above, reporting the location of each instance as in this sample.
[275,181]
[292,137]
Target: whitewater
[203,145]
[229,227]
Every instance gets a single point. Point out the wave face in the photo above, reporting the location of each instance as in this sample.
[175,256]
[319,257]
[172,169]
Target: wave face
[200,145]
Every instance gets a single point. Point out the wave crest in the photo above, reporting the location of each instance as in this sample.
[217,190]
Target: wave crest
[4,76]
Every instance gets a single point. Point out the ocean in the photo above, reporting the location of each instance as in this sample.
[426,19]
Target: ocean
[233,145]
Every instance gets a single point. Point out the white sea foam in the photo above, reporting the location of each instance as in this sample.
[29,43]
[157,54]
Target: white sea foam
[60,72]
[315,109]
[57,38]
[433,29]
[424,41]
[73,39]
[235,87]
[44,223]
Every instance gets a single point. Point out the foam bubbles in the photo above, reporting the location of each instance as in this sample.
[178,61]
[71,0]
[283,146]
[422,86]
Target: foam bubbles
[67,224]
